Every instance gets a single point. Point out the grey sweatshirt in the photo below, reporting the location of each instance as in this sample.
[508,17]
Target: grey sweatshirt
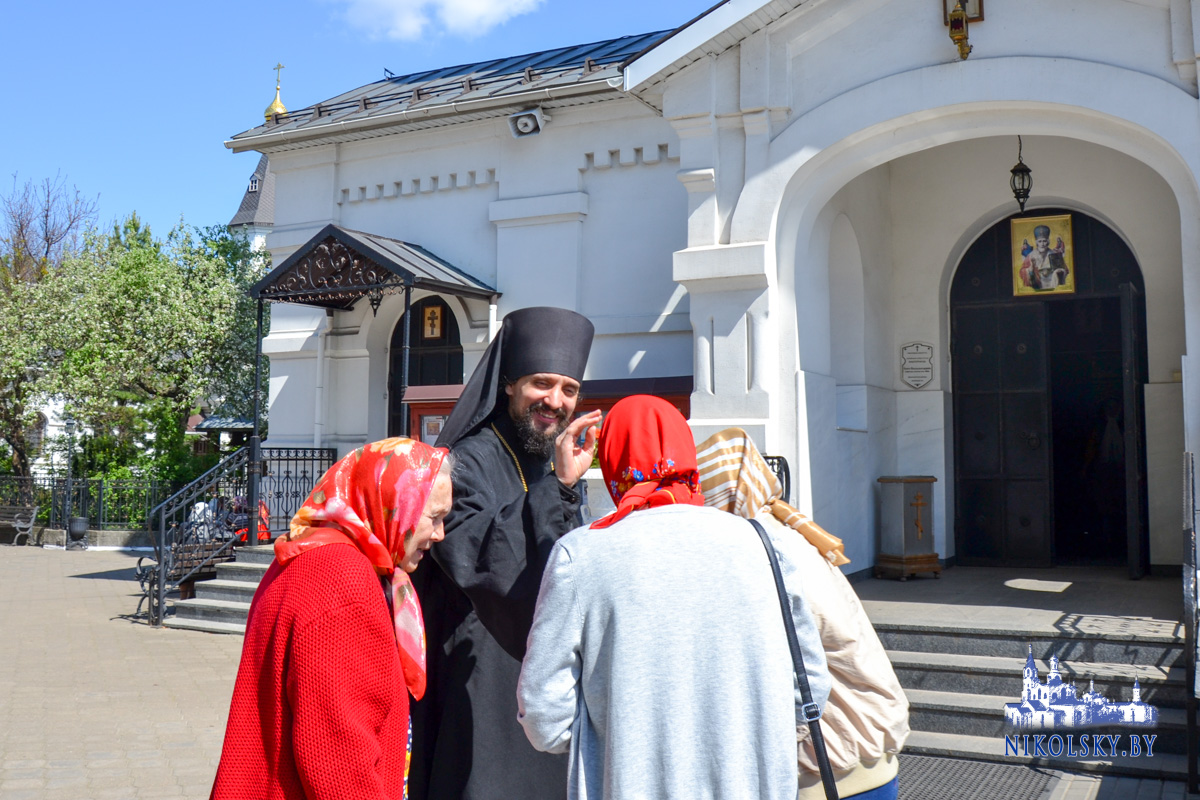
[658,658]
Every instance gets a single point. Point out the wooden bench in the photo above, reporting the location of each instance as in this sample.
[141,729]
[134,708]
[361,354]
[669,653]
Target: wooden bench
[20,519]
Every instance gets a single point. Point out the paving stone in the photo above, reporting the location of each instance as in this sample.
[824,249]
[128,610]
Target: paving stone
[95,700]
[19,784]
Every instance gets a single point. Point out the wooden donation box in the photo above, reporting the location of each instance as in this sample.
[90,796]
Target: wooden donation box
[906,527]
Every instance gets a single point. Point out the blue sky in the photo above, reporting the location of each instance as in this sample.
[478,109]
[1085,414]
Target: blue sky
[131,102]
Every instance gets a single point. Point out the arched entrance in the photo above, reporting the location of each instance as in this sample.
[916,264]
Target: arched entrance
[1048,373]
[435,354]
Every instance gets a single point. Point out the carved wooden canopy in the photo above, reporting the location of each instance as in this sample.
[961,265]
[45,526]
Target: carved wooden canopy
[338,267]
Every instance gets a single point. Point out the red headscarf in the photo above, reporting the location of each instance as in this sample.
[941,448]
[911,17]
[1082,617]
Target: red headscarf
[373,499]
[648,457]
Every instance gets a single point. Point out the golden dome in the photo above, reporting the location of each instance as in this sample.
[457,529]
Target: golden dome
[277,106]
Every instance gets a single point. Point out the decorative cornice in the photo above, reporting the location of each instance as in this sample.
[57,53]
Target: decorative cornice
[649,154]
[331,272]
[410,187]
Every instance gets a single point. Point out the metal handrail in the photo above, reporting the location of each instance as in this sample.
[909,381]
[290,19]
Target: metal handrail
[222,468]
[167,535]
[779,466]
[287,476]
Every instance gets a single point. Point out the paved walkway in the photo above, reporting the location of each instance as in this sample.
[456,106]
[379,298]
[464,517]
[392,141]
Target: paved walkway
[96,705]
[92,704]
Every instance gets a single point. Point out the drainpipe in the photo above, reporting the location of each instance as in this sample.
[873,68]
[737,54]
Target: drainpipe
[404,361]
[254,466]
[493,325]
[319,398]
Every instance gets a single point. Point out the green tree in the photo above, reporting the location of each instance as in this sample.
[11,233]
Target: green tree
[150,331]
[40,226]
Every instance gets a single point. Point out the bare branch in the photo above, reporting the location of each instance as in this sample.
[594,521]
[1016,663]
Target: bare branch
[39,223]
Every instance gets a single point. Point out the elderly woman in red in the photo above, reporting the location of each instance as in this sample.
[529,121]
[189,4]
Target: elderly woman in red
[335,642]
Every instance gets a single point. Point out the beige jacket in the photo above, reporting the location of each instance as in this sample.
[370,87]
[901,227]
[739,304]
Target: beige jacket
[865,721]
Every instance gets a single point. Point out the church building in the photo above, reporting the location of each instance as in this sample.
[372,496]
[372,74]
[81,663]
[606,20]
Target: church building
[886,237]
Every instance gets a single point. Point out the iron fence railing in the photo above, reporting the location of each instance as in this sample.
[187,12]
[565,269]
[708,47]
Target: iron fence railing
[288,475]
[107,504]
[200,525]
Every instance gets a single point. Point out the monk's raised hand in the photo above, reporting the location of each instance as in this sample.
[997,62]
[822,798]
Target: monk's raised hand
[571,460]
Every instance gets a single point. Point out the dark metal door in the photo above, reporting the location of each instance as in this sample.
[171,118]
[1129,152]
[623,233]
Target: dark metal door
[1003,458]
[1137,536]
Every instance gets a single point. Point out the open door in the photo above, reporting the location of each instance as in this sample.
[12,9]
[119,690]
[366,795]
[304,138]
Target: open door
[1133,375]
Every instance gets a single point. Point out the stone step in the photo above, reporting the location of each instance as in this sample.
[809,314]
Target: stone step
[258,554]
[212,610]
[1167,766]
[207,626]
[983,715]
[1095,639]
[237,591]
[243,572]
[1001,676]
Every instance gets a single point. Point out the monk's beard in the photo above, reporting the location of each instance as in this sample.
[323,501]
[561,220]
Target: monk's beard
[536,443]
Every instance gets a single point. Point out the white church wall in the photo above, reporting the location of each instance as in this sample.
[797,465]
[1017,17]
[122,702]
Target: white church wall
[519,214]
[636,220]
[824,41]
[305,183]
[290,407]
[952,192]
[350,422]
[1083,89]
[291,347]
[860,341]
[962,187]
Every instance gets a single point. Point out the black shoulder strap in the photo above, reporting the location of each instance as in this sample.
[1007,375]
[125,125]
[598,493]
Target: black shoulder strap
[812,713]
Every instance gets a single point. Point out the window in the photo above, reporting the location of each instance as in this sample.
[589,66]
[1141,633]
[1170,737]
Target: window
[254,183]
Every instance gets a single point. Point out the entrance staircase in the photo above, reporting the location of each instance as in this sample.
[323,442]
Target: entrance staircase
[960,663]
[221,604]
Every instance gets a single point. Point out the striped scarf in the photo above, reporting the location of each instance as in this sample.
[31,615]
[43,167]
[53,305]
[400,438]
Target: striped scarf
[734,477]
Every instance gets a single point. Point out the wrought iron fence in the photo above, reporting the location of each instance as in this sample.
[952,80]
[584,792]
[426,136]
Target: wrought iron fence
[288,476]
[108,504]
[199,526]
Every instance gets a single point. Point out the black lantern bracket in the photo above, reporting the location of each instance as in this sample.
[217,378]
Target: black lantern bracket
[1021,180]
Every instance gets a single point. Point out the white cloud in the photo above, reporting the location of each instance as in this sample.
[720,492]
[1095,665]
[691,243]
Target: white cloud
[412,19]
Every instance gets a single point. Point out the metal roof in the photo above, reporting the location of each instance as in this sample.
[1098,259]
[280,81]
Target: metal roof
[338,267]
[458,93]
[258,207]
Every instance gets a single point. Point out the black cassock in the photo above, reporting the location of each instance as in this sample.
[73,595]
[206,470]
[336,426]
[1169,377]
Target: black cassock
[478,600]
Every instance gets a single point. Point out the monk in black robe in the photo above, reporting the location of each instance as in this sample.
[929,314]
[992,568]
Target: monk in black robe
[515,493]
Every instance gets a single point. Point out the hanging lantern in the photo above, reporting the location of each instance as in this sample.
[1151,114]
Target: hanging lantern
[1021,181]
[958,30]
[374,297]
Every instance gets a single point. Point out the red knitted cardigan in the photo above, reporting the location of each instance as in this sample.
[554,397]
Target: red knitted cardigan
[319,709]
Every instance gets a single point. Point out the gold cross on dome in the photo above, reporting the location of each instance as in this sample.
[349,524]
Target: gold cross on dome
[919,503]
[278,67]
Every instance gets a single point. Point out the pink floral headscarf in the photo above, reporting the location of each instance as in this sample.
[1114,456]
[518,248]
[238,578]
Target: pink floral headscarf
[373,499]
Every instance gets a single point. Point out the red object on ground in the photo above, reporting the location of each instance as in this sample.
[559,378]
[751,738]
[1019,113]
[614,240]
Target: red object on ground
[264,525]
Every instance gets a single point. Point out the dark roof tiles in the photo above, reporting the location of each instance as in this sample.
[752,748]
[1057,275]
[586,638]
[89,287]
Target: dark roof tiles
[496,78]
